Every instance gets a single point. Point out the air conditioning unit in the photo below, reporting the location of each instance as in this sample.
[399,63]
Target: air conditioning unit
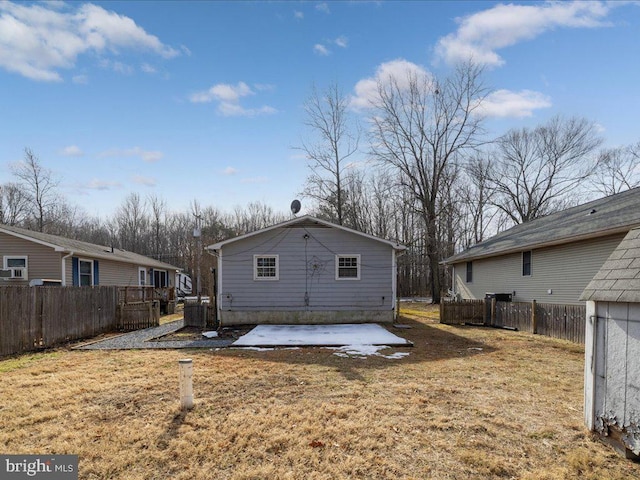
[16,273]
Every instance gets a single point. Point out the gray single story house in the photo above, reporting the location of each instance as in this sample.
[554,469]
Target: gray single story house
[29,256]
[550,259]
[306,270]
[612,349]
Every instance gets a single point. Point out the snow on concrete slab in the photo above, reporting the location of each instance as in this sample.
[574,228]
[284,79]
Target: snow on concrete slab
[319,335]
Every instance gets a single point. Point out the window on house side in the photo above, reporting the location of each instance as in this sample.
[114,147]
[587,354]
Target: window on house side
[265,267]
[469,272]
[347,267]
[526,264]
[86,272]
[142,276]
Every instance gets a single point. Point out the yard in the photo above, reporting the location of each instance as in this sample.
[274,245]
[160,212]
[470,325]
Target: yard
[466,403]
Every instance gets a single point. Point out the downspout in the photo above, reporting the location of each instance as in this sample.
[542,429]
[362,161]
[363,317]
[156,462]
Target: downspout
[64,268]
[218,280]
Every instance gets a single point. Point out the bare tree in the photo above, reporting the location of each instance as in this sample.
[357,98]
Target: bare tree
[618,169]
[539,171]
[420,127]
[132,220]
[14,204]
[336,140]
[40,185]
[158,209]
[475,196]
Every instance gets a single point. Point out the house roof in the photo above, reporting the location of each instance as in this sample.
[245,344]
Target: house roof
[68,245]
[606,216]
[618,280]
[305,221]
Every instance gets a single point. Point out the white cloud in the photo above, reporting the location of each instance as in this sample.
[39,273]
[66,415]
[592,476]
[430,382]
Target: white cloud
[229,171]
[323,7]
[480,35]
[298,15]
[505,103]
[400,70]
[96,184]
[72,151]
[228,98]
[342,41]
[222,92]
[229,109]
[80,79]
[147,68]
[146,181]
[149,156]
[321,50]
[38,40]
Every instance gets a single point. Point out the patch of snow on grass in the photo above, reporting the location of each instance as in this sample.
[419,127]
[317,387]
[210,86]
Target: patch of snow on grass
[363,351]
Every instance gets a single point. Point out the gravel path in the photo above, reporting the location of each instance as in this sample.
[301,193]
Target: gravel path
[143,339]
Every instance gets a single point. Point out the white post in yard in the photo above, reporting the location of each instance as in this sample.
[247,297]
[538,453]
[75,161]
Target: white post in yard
[186,384]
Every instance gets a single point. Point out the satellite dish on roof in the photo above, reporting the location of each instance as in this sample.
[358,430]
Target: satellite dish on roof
[295,206]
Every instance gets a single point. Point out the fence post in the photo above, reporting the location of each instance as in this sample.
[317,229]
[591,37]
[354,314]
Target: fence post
[534,318]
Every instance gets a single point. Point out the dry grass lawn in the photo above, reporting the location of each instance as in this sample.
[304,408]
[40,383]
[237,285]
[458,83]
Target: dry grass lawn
[466,403]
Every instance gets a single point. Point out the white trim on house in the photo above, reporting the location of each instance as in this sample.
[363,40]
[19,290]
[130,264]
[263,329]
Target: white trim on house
[142,282]
[80,274]
[293,221]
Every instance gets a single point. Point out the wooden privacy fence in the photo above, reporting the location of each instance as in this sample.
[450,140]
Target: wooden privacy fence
[461,311]
[565,322]
[38,317]
[201,315]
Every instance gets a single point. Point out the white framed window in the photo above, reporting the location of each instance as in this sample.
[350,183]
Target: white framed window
[265,267]
[85,272]
[142,276]
[347,267]
[17,266]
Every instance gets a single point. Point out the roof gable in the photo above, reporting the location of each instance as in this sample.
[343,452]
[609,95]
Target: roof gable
[618,280]
[302,222]
[77,247]
[605,216]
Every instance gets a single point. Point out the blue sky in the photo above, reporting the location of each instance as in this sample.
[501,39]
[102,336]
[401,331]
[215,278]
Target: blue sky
[204,100]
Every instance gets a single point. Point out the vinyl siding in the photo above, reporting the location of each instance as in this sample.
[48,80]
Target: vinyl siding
[564,269]
[114,273]
[311,270]
[43,262]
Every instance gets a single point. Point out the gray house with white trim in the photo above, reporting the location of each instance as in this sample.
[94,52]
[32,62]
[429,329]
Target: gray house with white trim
[306,270]
[550,259]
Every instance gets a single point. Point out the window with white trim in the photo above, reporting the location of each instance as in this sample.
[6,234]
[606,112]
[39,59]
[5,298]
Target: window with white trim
[142,276]
[85,272]
[17,266]
[347,267]
[265,267]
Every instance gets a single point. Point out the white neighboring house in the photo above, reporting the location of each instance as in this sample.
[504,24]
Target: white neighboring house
[306,270]
[612,348]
